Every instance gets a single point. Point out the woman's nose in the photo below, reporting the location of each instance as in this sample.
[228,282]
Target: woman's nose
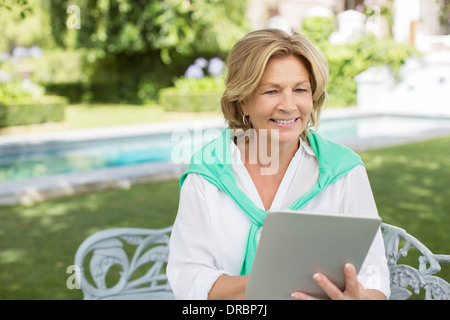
[287,102]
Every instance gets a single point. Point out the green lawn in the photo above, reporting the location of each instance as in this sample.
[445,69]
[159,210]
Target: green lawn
[411,188]
[38,243]
[98,115]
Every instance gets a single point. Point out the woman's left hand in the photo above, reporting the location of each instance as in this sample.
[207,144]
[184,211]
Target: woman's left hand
[354,290]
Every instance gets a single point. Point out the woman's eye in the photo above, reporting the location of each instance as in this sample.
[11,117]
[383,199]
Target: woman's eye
[271,92]
[301,90]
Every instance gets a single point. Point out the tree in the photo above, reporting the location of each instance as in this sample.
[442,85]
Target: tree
[170,33]
[11,4]
[22,23]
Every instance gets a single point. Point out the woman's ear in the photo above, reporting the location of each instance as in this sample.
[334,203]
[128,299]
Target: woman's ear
[243,107]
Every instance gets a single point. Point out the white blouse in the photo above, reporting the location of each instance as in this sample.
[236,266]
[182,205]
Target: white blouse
[210,231]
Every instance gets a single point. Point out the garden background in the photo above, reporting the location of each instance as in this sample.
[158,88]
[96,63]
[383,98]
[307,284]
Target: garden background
[133,62]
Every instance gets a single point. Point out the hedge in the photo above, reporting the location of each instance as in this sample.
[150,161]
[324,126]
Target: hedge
[174,99]
[26,111]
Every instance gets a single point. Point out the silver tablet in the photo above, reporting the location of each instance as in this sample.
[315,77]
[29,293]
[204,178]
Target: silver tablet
[294,245]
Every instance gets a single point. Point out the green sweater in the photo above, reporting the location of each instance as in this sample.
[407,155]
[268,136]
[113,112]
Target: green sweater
[214,162]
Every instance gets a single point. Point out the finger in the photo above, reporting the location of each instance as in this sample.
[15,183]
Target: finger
[297,295]
[330,289]
[351,279]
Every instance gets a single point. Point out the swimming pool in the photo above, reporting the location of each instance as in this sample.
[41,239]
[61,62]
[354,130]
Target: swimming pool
[53,157]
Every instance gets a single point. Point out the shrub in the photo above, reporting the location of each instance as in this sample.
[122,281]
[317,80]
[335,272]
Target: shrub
[23,107]
[173,99]
[193,94]
[348,60]
[318,29]
[73,91]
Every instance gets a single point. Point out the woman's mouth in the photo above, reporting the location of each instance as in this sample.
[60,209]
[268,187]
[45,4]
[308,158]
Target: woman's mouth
[284,123]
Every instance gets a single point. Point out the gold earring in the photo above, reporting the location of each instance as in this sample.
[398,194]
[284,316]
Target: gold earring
[244,121]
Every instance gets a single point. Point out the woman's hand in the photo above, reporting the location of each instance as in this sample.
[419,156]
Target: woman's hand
[229,288]
[353,288]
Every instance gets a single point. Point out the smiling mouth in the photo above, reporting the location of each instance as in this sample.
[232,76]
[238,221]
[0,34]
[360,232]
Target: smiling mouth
[285,122]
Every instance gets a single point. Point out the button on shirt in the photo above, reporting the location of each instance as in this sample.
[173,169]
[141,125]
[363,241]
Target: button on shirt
[210,231]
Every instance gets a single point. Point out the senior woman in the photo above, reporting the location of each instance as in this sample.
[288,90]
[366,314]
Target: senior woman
[267,158]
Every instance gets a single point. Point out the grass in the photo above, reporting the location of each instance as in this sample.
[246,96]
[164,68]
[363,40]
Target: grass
[38,243]
[86,116]
[410,184]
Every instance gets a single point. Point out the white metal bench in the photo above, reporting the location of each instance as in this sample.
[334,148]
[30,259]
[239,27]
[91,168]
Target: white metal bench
[125,264]
[129,263]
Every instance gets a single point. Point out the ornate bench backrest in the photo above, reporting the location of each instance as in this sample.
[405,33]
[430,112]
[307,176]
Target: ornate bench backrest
[138,258]
[135,259]
[397,244]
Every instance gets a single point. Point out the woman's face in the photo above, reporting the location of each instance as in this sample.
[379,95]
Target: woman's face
[283,101]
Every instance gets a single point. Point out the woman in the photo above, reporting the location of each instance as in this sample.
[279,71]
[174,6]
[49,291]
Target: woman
[267,159]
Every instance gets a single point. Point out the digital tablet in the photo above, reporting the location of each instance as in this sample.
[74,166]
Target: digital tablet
[294,245]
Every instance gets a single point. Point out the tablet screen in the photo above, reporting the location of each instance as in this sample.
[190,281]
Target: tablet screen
[294,245]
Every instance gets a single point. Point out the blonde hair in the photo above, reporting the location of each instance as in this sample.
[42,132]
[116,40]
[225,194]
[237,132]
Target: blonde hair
[247,62]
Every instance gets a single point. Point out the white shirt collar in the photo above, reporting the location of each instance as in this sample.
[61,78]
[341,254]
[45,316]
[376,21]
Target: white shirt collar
[307,147]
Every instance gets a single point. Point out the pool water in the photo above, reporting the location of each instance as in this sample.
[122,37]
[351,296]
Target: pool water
[59,158]
[380,126]
[89,155]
